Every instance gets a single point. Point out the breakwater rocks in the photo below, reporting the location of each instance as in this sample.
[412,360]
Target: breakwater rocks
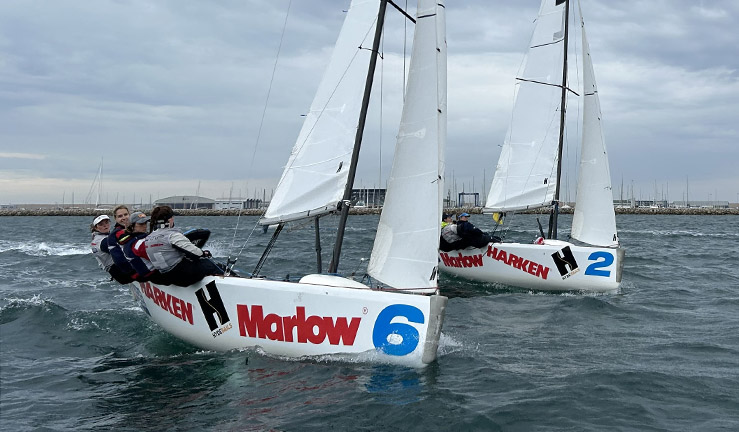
[366,211]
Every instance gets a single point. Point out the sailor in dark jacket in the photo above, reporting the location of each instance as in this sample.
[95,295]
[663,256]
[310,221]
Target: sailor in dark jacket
[471,235]
[127,274]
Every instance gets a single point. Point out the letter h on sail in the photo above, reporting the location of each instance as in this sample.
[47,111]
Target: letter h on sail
[212,306]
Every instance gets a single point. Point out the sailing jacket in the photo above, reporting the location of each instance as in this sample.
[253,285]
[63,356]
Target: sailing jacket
[116,252]
[466,229]
[449,233]
[166,247]
[144,268]
[99,246]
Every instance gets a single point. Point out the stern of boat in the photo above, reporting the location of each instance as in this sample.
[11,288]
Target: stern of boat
[437,312]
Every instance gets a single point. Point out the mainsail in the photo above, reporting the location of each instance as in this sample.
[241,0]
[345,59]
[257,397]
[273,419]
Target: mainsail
[315,176]
[594,221]
[525,176]
[405,249]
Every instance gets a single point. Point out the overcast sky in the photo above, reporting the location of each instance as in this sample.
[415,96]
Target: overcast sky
[172,93]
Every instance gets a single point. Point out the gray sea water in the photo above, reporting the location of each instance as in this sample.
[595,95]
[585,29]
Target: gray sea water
[76,353]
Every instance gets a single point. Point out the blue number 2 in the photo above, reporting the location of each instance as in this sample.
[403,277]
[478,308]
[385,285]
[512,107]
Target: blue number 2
[407,333]
[593,269]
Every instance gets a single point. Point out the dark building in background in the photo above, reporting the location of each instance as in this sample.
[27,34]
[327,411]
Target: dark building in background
[186,202]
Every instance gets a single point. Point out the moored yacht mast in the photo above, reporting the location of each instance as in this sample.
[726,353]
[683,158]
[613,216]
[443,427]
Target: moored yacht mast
[555,210]
[358,138]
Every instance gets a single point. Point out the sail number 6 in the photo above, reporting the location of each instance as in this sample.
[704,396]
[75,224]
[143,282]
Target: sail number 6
[394,338]
[602,259]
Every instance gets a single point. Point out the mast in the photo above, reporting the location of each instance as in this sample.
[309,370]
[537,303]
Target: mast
[562,109]
[358,138]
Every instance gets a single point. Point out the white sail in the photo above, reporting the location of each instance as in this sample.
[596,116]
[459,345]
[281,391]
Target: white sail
[525,176]
[315,176]
[594,221]
[405,249]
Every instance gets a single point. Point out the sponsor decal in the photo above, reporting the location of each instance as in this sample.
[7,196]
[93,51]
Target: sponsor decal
[517,262]
[296,328]
[139,297]
[212,307]
[461,260]
[397,338]
[175,306]
[602,260]
[565,262]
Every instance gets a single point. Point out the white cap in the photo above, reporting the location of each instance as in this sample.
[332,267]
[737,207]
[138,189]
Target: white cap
[100,219]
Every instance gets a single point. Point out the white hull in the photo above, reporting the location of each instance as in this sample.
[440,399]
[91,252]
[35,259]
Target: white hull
[552,266]
[298,319]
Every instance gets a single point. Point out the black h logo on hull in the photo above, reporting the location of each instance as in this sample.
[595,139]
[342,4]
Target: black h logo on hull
[565,261]
[212,306]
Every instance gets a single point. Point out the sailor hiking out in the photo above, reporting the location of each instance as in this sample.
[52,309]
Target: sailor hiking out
[100,229]
[135,235]
[178,260]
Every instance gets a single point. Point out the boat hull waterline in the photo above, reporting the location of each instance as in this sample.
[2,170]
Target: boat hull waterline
[289,319]
[554,265]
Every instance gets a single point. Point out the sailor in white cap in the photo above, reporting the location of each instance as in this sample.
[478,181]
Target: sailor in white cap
[100,227]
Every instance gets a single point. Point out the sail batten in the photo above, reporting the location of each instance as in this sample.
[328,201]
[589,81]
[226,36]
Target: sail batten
[316,174]
[407,240]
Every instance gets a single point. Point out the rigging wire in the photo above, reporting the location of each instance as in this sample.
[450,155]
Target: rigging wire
[259,134]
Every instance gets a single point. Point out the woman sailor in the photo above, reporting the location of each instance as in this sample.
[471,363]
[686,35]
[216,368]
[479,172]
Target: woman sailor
[133,238]
[125,273]
[100,229]
[177,259]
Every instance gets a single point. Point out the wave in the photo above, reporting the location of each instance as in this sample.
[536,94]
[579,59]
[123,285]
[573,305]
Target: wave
[678,233]
[43,248]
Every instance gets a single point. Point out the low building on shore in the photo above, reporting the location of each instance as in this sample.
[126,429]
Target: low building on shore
[186,202]
[239,204]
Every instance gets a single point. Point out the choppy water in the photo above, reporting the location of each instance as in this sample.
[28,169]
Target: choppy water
[662,354]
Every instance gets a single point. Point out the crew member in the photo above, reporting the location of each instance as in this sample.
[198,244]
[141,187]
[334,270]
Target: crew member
[134,237]
[128,274]
[470,235]
[449,239]
[100,229]
[178,260]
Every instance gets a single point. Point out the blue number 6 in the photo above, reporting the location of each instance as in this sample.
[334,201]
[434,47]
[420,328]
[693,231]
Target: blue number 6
[384,328]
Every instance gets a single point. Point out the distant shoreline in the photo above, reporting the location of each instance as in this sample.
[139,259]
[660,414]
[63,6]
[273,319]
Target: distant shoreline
[367,211]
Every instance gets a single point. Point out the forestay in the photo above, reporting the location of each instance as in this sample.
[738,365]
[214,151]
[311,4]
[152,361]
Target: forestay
[525,176]
[405,249]
[594,221]
[316,174]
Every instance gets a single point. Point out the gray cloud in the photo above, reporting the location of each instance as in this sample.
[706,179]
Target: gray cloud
[173,93]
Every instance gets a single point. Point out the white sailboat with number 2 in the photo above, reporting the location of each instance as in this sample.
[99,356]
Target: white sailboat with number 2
[528,176]
[399,318]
